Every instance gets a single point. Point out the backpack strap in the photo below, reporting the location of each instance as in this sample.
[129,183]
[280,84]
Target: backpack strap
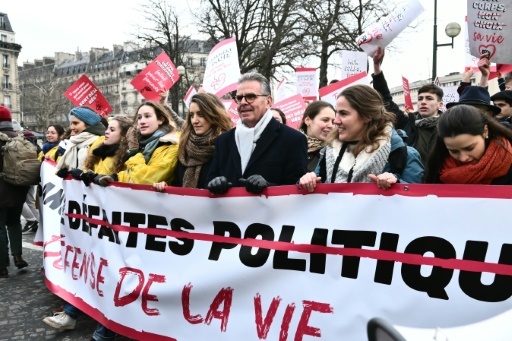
[398,160]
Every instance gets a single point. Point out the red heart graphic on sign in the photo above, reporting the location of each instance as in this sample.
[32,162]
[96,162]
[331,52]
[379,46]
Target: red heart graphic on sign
[305,91]
[218,81]
[489,49]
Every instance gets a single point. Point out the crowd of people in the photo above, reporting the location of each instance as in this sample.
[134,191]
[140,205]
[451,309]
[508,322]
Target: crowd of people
[365,138]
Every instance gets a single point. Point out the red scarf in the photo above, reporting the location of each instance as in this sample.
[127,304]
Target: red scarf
[495,162]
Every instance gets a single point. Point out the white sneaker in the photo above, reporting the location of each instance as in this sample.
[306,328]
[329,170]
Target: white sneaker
[60,320]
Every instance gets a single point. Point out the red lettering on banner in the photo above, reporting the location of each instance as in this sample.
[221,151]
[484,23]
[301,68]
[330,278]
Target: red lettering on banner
[131,297]
[138,290]
[74,264]
[101,279]
[224,297]
[84,269]
[66,262]
[93,275]
[185,302]
[263,326]
[303,328]
[147,297]
[287,318]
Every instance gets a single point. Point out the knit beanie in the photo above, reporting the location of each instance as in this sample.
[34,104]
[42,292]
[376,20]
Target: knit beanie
[5,118]
[86,115]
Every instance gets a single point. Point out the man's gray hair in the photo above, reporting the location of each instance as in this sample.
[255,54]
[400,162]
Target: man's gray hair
[255,76]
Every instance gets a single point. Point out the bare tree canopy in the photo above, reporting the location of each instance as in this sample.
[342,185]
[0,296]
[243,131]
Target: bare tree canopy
[42,97]
[163,29]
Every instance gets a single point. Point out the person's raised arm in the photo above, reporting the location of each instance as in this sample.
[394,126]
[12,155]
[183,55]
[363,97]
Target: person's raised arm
[163,100]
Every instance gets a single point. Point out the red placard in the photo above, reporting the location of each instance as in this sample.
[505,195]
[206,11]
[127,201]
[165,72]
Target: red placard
[293,108]
[85,93]
[407,94]
[160,75]
[232,109]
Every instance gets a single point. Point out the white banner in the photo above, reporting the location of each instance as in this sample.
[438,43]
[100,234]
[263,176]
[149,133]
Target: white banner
[450,95]
[280,93]
[184,265]
[188,96]
[353,63]
[222,68]
[489,29]
[386,29]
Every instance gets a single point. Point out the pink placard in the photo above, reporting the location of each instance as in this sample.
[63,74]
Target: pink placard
[293,108]
[232,109]
[85,93]
[160,75]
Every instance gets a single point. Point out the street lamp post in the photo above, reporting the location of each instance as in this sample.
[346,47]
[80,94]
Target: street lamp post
[452,30]
[181,71]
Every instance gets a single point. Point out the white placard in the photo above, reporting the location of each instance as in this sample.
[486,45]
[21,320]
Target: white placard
[384,31]
[353,63]
[222,68]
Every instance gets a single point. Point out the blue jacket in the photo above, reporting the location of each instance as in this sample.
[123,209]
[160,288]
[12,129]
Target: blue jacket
[413,171]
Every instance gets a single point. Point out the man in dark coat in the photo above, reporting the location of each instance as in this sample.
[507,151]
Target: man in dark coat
[419,126]
[11,204]
[260,151]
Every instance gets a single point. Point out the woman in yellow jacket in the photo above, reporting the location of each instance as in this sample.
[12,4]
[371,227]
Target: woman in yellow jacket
[153,144]
[54,134]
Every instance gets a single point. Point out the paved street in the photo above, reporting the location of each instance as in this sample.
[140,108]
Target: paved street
[25,301]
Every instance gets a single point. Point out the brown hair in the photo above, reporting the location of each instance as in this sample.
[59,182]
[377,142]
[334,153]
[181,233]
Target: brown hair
[370,107]
[213,112]
[311,111]
[124,124]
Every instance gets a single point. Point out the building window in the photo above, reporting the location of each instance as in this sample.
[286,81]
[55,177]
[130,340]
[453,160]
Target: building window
[7,101]
[4,38]
[6,82]
[5,60]
[203,62]
[190,62]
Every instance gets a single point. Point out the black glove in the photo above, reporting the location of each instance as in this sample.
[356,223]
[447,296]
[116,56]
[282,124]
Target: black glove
[254,184]
[62,173]
[88,177]
[219,185]
[76,173]
[104,180]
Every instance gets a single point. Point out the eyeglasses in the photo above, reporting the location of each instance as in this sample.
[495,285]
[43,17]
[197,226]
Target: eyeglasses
[249,98]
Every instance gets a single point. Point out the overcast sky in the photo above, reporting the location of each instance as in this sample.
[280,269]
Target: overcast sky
[45,27]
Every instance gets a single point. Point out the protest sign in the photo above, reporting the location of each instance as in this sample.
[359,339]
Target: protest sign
[307,83]
[293,108]
[160,75]
[330,93]
[353,63]
[232,109]
[387,28]
[450,95]
[85,93]
[222,68]
[250,267]
[188,96]
[488,29]
[280,93]
[471,62]
[407,94]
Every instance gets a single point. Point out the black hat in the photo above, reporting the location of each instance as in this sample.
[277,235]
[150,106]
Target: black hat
[504,95]
[476,95]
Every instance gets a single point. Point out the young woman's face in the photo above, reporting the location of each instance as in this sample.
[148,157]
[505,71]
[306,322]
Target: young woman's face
[199,123]
[321,125]
[147,120]
[52,135]
[76,125]
[113,133]
[350,125]
[466,148]
[276,115]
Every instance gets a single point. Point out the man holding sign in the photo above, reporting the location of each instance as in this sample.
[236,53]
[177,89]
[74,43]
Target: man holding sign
[420,126]
[259,152]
